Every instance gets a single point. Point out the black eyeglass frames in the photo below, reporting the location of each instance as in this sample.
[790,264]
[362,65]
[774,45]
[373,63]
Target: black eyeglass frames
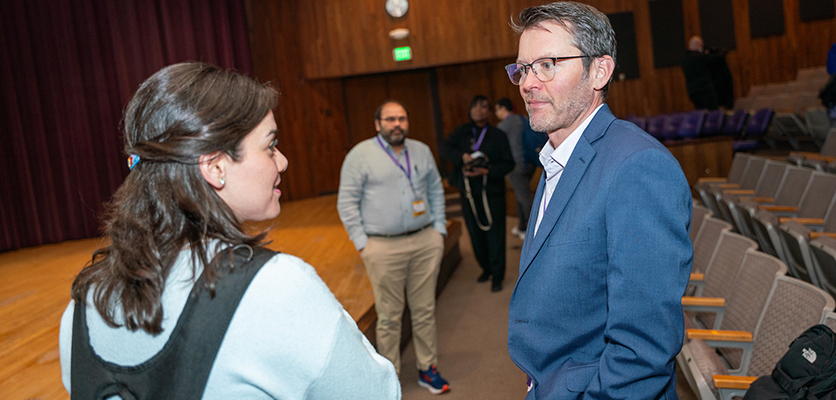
[543,68]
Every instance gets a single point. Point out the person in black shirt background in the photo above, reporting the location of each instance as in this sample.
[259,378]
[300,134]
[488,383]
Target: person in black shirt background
[481,158]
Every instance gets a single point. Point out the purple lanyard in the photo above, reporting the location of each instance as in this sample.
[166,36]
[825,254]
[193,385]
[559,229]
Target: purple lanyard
[407,171]
[478,143]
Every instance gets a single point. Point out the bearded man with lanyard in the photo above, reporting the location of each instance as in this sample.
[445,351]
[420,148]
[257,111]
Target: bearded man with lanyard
[481,157]
[391,203]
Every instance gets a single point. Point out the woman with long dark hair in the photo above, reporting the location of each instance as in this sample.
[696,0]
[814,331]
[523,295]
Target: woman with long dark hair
[182,302]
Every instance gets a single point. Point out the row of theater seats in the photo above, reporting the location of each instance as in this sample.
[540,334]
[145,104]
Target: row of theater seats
[743,310]
[701,123]
[764,270]
[749,128]
[793,96]
[799,119]
[782,207]
[775,115]
[823,161]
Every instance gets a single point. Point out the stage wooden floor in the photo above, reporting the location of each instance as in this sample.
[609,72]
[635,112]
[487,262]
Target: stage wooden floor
[35,289]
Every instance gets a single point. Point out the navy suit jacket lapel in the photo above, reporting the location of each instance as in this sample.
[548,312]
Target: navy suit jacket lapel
[575,169]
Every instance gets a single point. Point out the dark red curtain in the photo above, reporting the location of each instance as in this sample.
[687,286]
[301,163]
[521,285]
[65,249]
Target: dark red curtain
[67,70]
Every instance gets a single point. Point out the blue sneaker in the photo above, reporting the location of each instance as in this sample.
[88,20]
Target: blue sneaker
[431,380]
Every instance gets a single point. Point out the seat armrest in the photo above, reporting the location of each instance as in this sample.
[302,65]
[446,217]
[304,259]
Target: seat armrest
[803,221]
[715,335]
[733,381]
[778,208]
[730,386]
[714,305]
[703,301]
[710,180]
[827,159]
[727,186]
[814,235]
[756,199]
[739,191]
[697,282]
[727,339]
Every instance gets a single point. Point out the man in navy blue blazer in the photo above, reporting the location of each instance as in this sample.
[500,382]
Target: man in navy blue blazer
[596,310]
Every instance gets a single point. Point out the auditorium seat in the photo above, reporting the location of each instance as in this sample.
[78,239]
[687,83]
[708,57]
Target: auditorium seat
[741,310]
[755,131]
[738,167]
[713,124]
[819,125]
[776,88]
[756,90]
[765,191]
[817,161]
[813,73]
[735,122]
[670,130]
[704,246]
[795,87]
[692,125]
[793,130]
[748,183]
[791,308]
[641,122]
[698,215]
[744,103]
[823,252]
[815,201]
[655,125]
[789,194]
[795,238]
[830,321]
[719,277]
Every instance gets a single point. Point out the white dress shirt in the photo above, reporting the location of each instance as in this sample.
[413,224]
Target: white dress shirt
[554,161]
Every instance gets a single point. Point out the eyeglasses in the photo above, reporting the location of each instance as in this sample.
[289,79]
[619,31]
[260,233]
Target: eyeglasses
[392,120]
[543,68]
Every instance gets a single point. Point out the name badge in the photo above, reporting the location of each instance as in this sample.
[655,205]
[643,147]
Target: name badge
[418,208]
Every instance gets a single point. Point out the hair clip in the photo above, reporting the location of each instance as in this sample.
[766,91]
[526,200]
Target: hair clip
[133,160]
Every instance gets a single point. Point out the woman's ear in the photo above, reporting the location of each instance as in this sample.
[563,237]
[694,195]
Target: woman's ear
[213,169]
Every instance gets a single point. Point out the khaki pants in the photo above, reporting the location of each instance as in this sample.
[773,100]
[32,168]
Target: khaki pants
[410,265]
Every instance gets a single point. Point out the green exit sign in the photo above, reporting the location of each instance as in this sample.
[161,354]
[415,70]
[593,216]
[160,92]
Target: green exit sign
[402,53]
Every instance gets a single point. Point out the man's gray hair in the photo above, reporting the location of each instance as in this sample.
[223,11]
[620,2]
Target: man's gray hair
[590,29]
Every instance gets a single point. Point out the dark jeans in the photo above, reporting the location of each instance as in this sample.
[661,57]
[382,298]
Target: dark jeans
[488,246]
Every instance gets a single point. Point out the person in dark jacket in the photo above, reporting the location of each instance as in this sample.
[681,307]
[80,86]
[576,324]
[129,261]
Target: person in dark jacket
[481,157]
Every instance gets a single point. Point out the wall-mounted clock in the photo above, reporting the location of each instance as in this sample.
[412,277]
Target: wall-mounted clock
[397,8]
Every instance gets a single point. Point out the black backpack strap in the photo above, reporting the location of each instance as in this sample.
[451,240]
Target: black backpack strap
[180,370]
[824,387]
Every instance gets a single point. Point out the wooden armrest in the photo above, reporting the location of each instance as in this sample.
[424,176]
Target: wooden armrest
[827,159]
[708,179]
[814,235]
[803,221]
[757,199]
[777,208]
[739,191]
[703,301]
[697,276]
[803,153]
[728,186]
[733,382]
[710,334]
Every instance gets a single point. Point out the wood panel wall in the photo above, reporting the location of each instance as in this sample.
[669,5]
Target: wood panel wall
[324,55]
[412,88]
